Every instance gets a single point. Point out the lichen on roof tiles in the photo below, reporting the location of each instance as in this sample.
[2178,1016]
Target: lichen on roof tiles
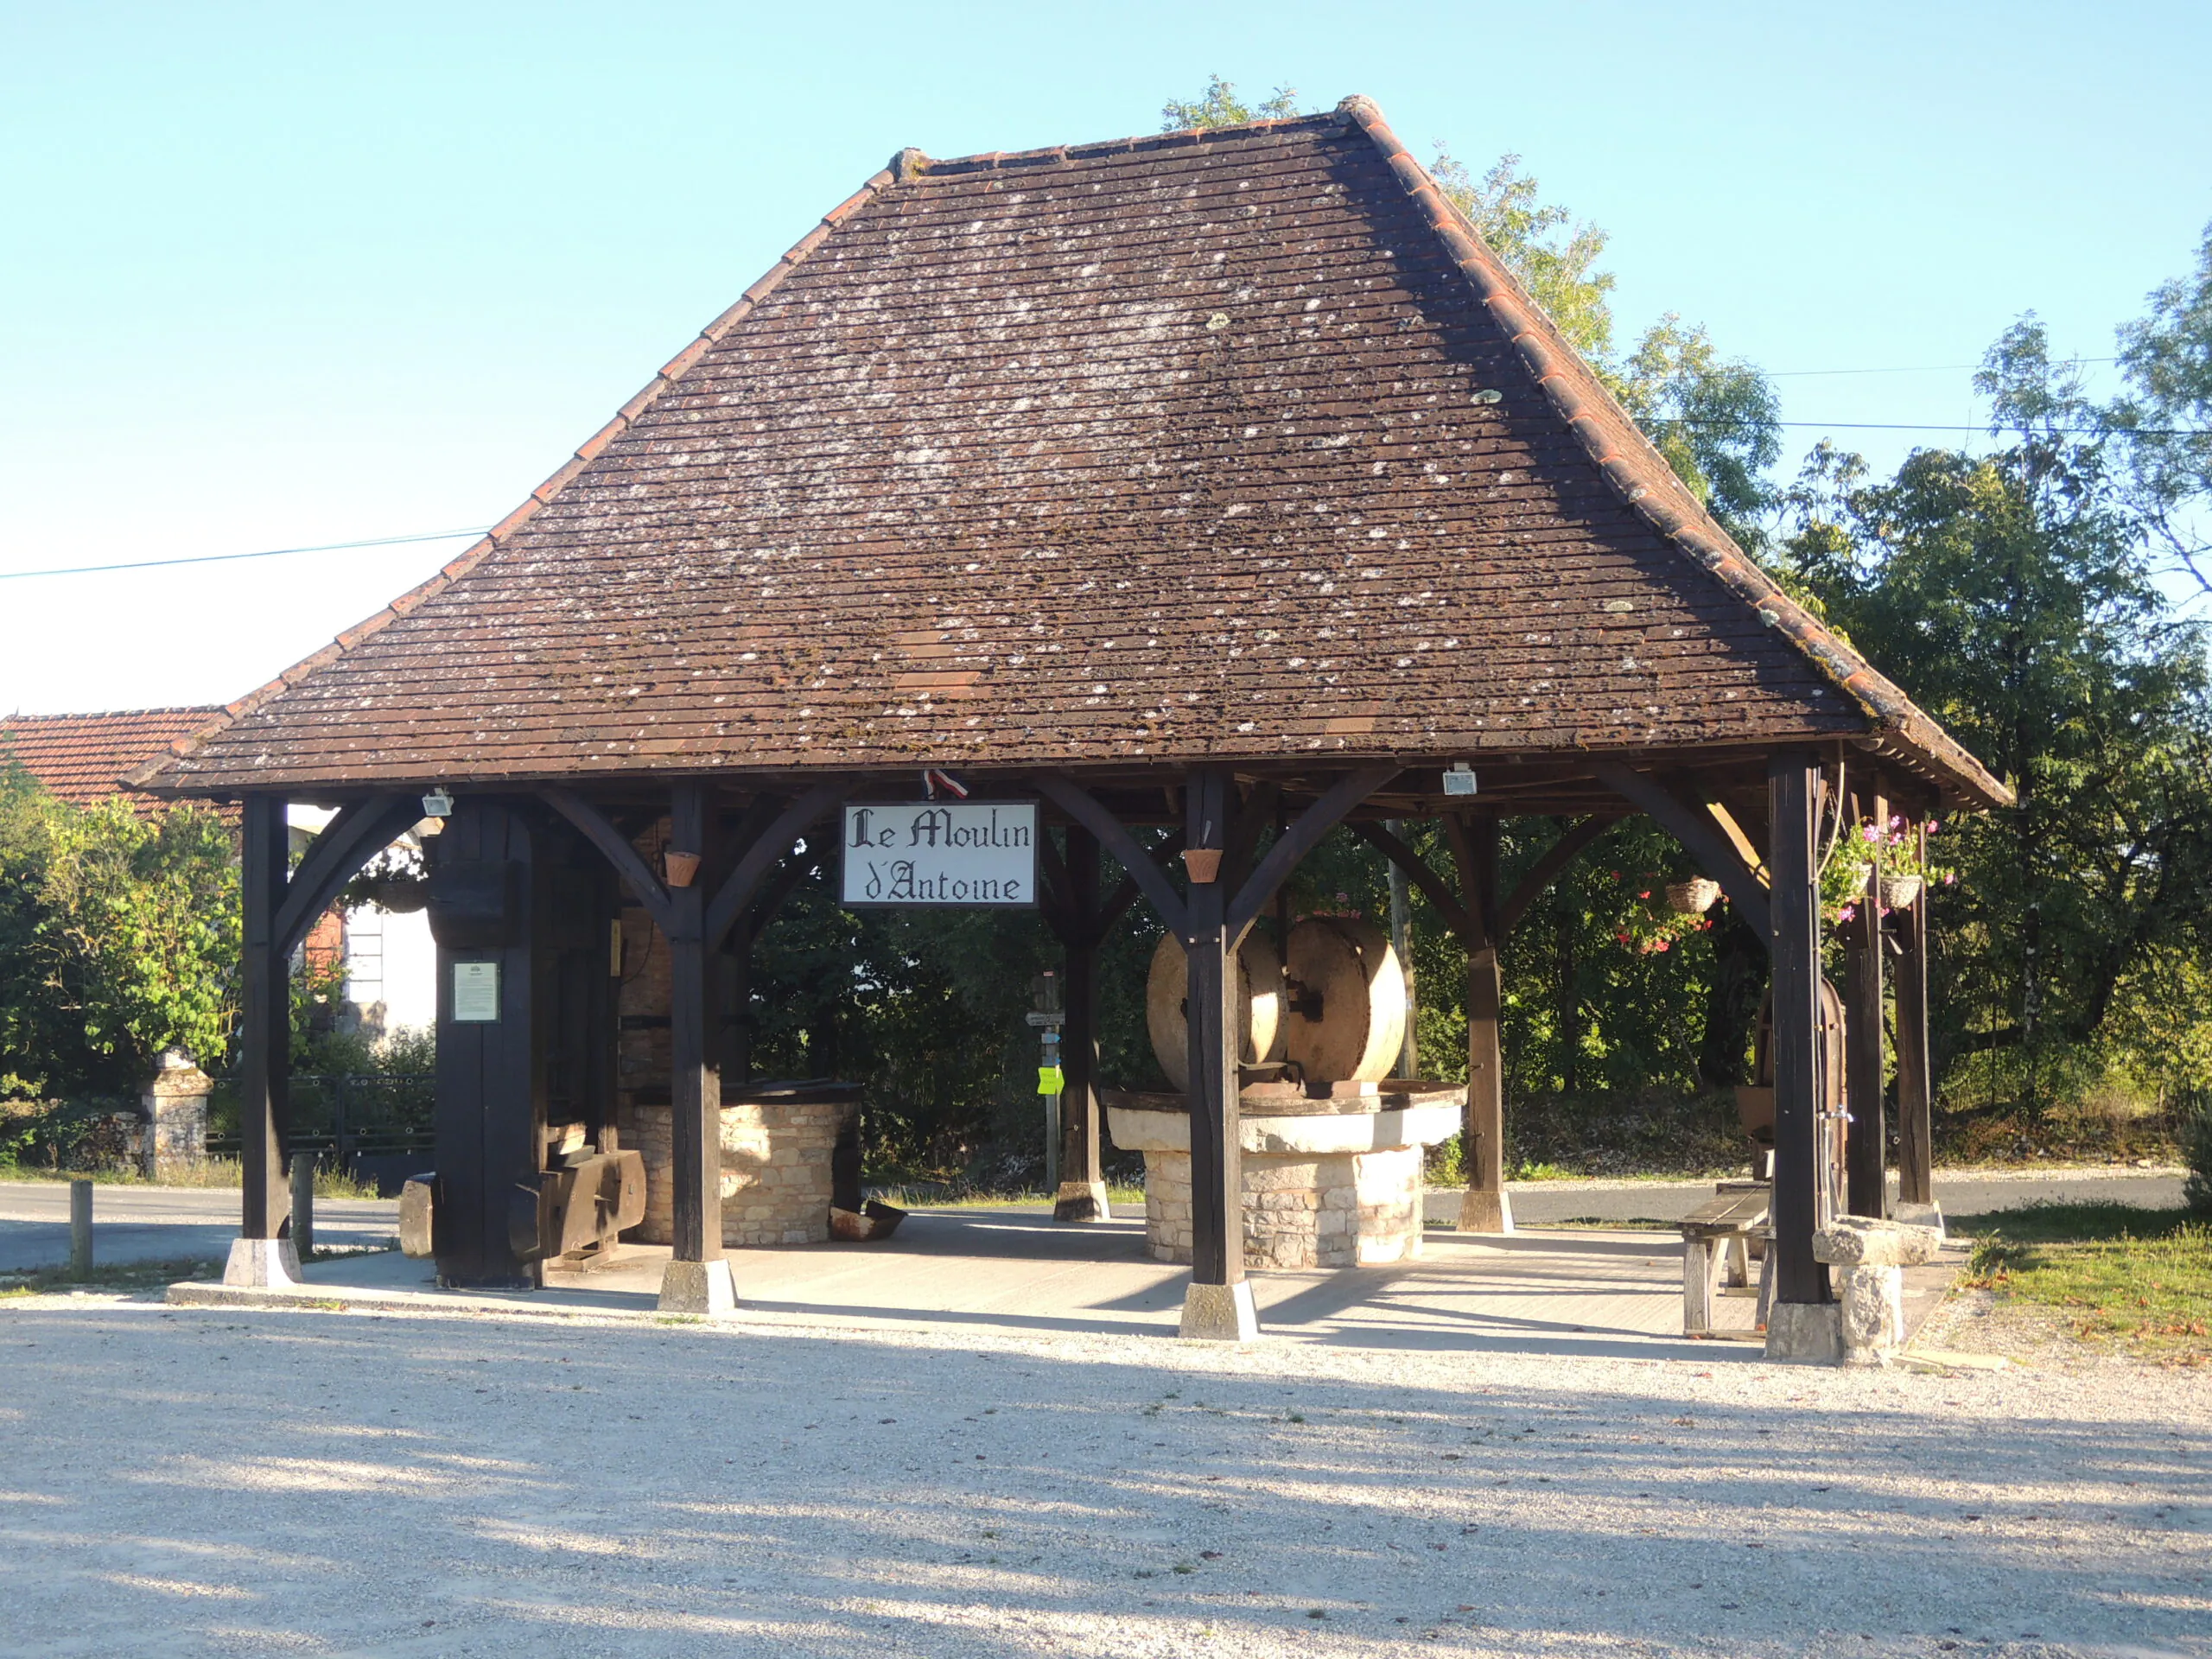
[1231,445]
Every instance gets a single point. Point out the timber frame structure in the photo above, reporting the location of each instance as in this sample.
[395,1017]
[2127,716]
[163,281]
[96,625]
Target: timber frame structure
[1222,483]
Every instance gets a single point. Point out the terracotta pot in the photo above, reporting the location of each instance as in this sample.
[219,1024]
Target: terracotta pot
[1693,897]
[681,867]
[1900,891]
[1204,863]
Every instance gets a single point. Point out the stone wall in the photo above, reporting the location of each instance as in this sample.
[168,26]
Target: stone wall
[775,1170]
[1338,1209]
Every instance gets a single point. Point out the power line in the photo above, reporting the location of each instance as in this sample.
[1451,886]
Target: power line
[1917,368]
[1931,426]
[225,558]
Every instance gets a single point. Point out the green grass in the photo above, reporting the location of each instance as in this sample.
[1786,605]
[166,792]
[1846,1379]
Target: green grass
[215,1174]
[2139,1281]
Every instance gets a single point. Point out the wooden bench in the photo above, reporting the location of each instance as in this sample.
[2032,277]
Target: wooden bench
[1717,1239]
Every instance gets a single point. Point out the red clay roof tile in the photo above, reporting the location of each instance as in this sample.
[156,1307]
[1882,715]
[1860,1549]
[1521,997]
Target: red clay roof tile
[82,758]
[1147,451]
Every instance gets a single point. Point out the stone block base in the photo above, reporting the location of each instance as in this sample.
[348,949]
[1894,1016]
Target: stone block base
[1485,1212]
[1805,1333]
[776,1183]
[702,1287]
[1219,1313]
[1335,1209]
[1081,1201]
[1872,1308]
[262,1264]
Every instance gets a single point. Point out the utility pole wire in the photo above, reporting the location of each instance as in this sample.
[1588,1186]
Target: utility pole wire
[225,558]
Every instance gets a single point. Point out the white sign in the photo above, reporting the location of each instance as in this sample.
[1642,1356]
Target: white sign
[951,853]
[476,992]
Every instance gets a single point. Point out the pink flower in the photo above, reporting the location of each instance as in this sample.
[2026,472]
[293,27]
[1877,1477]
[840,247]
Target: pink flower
[1933,826]
[1950,878]
[1846,913]
[1870,832]
[1643,895]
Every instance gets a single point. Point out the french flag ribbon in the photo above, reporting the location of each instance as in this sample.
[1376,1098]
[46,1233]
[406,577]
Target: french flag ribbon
[931,778]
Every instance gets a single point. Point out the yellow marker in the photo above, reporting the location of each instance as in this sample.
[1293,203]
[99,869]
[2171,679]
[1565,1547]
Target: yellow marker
[1050,1080]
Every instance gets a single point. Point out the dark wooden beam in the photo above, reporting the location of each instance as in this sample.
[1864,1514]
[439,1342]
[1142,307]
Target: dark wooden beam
[1482,1206]
[766,851]
[695,1082]
[1431,886]
[1865,1147]
[1577,836]
[617,850]
[1210,948]
[358,834]
[1697,832]
[1126,891]
[1255,817]
[1794,782]
[1083,1178]
[1303,836]
[1084,807]
[265,1021]
[1916,1090]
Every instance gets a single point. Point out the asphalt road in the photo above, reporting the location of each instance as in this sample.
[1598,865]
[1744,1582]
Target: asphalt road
[1538,1204]
[155,1224]
[146,1224]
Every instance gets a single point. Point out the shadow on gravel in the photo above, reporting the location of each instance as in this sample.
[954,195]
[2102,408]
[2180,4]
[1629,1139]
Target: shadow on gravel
[210,1481]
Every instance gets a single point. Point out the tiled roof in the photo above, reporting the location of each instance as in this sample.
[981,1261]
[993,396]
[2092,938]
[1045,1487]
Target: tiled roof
[1233,444]
[80,758]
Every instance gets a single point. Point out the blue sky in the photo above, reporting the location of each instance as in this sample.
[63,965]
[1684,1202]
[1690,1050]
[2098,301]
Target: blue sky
[283,274]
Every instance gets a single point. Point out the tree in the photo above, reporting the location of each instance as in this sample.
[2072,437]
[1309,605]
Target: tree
[2013,596]
[2167,418]
[118,939]
[1219,106]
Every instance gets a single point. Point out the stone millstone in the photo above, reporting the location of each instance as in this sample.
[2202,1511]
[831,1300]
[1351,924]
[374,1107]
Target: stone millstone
[1259,982]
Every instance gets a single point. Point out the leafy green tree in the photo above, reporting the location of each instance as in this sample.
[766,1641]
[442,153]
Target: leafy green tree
[2013,595]
[1219,106]
[119,937]
[2166,416]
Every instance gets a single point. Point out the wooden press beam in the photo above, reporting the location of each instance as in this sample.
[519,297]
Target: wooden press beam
[1865,1147]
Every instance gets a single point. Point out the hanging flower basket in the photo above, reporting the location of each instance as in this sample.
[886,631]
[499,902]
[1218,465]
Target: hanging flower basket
[1203,863]
[680,866]
[1693,897]
[401,895]
[1900,891]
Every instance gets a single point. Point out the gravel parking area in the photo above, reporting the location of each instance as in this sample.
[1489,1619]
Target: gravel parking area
[213,1482]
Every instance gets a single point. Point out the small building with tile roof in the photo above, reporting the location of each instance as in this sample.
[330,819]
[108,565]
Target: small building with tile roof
[1221,467]
[83,757]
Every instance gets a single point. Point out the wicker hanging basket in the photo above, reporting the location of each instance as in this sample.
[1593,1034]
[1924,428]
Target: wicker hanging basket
[1900,891]
[401,895]
[1693,897]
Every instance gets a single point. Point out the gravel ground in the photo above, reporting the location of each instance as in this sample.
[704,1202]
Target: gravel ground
[190,1482]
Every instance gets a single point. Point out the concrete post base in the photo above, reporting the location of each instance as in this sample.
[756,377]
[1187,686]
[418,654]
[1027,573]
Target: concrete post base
[1805,1333]
[1485,1212]
[1219,1313]
[1081,1201]
[704,1287]
[262,1263]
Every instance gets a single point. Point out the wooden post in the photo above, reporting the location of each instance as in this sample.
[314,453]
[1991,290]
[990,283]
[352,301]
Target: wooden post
[1081,1193]
[697,1280]
[1219,1305]
[1793,782]
[1867,1146]
[1916,1084]
[266,1023]
[303,1204]
[1484,1207]
[1402,941]
[80,1228]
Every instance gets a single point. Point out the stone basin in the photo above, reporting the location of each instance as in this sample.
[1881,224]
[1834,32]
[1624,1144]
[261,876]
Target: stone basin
[1329,1180]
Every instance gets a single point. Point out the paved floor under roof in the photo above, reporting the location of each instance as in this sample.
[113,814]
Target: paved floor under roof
[1012,1268]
